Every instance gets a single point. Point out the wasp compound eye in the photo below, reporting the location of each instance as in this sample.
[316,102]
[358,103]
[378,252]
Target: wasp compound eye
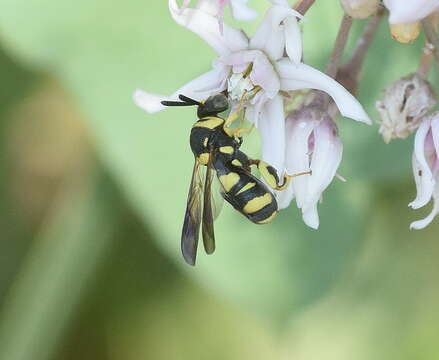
[213,106]
[220,102]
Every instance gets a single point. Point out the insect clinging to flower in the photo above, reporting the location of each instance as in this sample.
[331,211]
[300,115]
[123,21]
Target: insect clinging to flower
[216,146]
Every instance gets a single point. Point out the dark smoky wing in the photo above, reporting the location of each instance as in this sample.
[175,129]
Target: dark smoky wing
[192,218]
[208,212]
[217,197]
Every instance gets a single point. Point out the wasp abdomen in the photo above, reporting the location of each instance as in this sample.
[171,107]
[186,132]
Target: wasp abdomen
[246,193]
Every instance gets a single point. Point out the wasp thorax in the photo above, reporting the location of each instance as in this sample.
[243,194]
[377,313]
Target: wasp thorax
[213,106]
[403,106]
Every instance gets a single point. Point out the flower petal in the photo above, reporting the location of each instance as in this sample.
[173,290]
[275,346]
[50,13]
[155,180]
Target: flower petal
[325,160]
[310,216]
[270,35]
[206,26]
[253,111]
[435,131]
[420,224]
[271,126]
[212,7]
[293,39]
[285,197]
[298,132]
[300,76]
[421,169]
[200,88]
[241,12]
[410,11]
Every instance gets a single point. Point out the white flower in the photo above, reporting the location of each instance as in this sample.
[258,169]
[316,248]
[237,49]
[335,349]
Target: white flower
[256,69]
[312,143]
[425,168]
[408,11]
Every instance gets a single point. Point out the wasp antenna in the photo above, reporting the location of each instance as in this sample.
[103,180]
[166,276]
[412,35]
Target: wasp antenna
[174,103]
[188,100]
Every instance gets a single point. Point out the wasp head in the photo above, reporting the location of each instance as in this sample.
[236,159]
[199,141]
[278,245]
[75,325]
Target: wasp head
[214,105]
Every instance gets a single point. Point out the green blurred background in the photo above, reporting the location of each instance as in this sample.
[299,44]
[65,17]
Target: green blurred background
[94,191]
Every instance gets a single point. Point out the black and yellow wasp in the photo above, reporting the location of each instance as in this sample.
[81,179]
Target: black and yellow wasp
[216,146]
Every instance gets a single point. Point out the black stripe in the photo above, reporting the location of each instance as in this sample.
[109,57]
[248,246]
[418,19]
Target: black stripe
[264,213]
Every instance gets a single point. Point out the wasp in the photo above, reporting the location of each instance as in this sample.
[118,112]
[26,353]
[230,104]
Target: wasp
[216,146]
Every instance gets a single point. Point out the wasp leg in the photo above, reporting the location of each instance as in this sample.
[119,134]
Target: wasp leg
[238,132]
[271,177]
[241,131]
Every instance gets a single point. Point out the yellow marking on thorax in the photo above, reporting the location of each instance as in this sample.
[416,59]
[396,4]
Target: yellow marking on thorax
[209,122]
[203,158]
[258,203]
[236,162]
[226,149]
[246,187]
[229,180]
[205,142]
[269,219]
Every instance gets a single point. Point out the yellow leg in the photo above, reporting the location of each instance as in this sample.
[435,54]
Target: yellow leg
[231,118]
[287,179]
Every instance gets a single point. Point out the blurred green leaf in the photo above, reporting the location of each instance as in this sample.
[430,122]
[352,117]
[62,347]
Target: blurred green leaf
[56,273]
[103,50]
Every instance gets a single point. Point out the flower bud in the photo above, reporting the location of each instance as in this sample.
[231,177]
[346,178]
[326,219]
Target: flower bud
[404,104]
[312,143]
[360,9]
[405,33]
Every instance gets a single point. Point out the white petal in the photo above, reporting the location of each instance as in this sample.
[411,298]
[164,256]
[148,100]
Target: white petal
[310,216]
[253,111]
[325,160]
[241,12]
[206,26]
[186,3]
[212,7]
[285,197]
[270,35]
[298,132]
[280,2]
[272,129]
[293,39]
[199,89]
[300,76]
[408,11]
[421,169]
[420,224]
[435,131]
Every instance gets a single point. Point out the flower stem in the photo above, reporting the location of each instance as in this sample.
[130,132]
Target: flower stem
[302,6]
[431,35]
[425,60]
[340,43]
[348,75]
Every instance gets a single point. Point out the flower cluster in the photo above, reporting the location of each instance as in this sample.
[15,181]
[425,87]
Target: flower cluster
[407,102]
[264,72]
[261,69]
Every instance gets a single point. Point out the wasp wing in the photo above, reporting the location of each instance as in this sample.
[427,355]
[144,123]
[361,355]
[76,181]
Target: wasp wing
[217,197]
[192,217]
[208,213]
